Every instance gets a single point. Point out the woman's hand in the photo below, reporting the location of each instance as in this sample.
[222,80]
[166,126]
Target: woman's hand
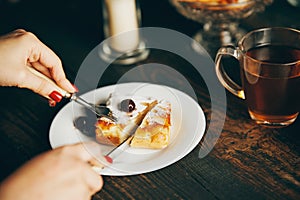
[61,174]
[20,49]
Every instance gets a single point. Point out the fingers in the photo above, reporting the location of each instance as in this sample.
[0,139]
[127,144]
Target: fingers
[45,60]
[20,49]
[41,86]
[89,154]
[52,103]
[14,33]
[93,180]
[41,68]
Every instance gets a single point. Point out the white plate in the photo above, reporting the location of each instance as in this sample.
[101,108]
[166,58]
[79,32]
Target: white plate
[187,119]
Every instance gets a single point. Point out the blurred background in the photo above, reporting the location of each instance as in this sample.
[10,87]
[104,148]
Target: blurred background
[72,28]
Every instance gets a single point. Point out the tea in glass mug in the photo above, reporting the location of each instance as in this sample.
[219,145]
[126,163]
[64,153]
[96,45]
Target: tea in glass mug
[270,72]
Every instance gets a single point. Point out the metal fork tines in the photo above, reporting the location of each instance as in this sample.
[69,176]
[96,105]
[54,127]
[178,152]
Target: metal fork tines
[99,110]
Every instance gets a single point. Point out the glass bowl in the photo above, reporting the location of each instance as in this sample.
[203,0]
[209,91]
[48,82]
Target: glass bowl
[220,19]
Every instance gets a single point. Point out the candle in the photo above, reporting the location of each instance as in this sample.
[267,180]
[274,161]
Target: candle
[123,24]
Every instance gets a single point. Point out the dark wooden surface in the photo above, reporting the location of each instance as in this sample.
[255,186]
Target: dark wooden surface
[247,162]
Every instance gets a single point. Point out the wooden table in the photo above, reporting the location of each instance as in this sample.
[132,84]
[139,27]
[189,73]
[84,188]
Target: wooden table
[248,160]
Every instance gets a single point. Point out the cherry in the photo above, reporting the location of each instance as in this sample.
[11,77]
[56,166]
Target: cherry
[86,125]
[127,105]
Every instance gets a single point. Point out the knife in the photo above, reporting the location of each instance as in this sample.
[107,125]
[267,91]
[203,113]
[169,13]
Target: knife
[118,150]
[132,127]
[114,153]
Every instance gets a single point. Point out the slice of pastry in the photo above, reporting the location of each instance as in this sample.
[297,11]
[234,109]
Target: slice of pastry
[154,131]
[129,111]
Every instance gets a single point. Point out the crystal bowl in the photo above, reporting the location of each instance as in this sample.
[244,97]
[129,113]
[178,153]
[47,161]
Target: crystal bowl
[220,18]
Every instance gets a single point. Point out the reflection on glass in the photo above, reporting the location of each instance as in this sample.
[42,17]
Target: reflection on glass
[220,19]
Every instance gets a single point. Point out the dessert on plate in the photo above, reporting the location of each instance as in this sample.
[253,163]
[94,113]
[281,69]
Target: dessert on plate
[154,131]
[147,119]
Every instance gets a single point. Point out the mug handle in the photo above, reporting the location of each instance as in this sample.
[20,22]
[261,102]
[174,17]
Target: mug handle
[225,80]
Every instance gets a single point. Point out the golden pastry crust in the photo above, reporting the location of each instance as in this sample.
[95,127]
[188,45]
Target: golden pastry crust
[114,133]
[108,132]
[154,132]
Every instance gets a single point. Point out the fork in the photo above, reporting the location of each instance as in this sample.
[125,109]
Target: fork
[99,110]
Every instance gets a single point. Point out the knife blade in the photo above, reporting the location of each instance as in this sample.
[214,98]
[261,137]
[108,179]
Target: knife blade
[131,129]
[116,151]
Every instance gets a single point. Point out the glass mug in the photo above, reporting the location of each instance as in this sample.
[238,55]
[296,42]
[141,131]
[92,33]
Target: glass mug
[269,61]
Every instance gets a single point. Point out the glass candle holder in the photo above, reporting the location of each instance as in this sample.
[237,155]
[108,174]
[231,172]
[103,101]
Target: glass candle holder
[123,44]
